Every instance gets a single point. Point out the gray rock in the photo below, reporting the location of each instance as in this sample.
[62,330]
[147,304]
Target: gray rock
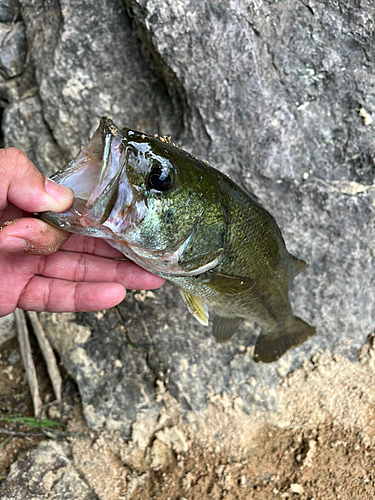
[280,113]
[8,91]
[26,129]
[114,376]
[13,48]
[45,472]
[9,10]
[88,63]
[260,90]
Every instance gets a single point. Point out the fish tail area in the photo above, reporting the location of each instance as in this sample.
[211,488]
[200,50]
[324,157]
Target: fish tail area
[270,347]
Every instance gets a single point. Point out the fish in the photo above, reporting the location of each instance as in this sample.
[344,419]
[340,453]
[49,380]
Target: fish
[179,218]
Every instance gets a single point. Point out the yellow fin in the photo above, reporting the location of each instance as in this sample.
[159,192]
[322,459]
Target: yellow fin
[197,308]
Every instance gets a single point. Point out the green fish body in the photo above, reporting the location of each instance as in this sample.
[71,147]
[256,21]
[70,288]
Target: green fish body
[183,220]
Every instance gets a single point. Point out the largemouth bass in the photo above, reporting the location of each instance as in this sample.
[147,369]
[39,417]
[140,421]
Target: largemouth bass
[181,219]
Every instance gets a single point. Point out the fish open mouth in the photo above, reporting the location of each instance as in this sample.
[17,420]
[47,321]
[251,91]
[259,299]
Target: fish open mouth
[94,176]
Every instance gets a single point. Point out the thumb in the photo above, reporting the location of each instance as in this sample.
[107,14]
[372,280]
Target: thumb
[25,187]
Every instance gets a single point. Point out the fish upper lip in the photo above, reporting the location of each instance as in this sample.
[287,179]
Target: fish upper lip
[105,192]
[102,163]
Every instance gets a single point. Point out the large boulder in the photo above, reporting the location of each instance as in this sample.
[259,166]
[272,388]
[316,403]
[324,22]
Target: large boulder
[279,95]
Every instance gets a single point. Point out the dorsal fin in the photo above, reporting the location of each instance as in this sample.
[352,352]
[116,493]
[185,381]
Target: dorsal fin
[299,263]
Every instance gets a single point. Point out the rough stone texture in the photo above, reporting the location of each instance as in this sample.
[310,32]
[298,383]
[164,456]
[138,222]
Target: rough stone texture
[27,129]
[115,380]
[45,472]
[9,10]
[8,91]
[13,49]
[281,96]
[87,59]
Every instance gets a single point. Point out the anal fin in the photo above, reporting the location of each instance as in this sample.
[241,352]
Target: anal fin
[197,308]
[270,347]
[225,327]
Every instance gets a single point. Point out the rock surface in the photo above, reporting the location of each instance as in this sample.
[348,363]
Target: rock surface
[281,96]
[46,472]
[9,10]
[13,49]
[320,444]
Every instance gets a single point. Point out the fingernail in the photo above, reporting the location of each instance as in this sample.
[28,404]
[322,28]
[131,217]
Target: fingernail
[58,192]
[13,244]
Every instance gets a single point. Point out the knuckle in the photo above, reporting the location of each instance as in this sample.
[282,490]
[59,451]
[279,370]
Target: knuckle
[48,296]
[77,297]
[13,157]
[117,277]
[80,268]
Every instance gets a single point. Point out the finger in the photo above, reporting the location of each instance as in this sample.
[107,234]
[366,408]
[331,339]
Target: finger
[32,236]
[23,185]
[95,246]
[54,295]
[75,266]
[15,273]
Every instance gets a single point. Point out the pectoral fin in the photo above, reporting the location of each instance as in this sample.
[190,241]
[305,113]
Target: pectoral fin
[227,285]
[270,347]
[197,308]
[224,328]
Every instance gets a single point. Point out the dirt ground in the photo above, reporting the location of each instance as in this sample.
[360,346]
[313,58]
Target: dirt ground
[320,445]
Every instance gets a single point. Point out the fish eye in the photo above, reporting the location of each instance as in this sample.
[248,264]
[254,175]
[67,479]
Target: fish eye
[159,179]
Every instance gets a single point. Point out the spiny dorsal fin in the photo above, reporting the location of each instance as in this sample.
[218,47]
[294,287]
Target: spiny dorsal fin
[224,328]
[227,285]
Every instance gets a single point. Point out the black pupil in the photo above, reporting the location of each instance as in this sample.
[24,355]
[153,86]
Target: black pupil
[157,180]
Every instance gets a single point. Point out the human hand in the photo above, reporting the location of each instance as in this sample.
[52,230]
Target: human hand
[43,268]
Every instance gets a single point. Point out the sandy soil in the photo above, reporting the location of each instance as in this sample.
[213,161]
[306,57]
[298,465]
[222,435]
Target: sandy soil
[319,445]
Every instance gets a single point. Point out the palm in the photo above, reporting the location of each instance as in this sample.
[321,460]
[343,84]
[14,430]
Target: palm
[83,275]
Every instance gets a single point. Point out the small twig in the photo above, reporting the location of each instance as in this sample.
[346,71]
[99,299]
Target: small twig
[48,354]
[23,339]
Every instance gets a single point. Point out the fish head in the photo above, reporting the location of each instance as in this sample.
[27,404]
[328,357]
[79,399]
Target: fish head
[140,193]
